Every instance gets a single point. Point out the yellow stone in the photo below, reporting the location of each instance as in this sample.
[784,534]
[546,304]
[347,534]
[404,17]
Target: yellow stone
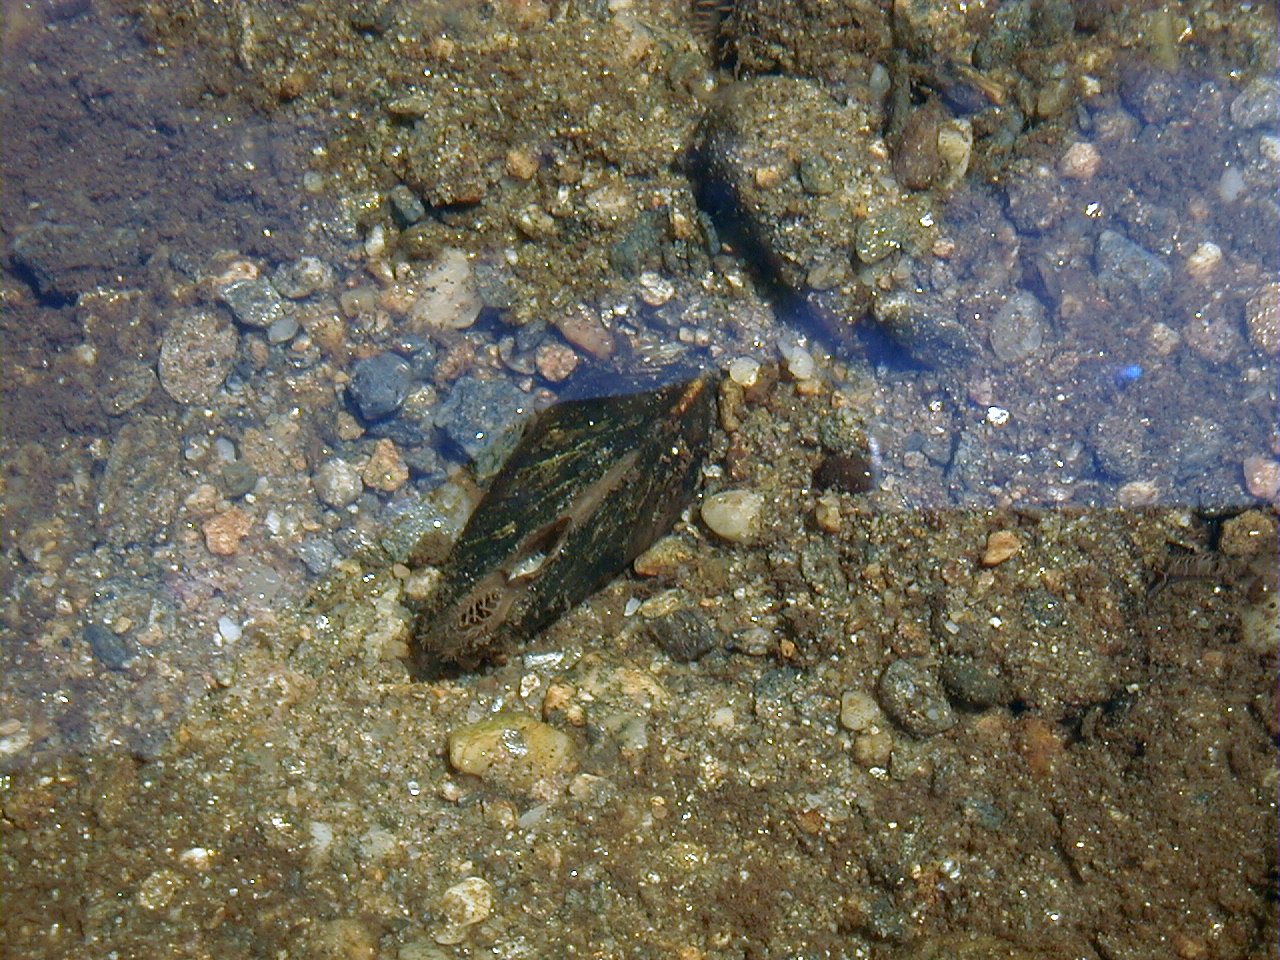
[386,469]
[1001,545]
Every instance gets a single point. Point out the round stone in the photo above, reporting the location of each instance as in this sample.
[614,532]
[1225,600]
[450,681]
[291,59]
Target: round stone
[195,356]
[732,514]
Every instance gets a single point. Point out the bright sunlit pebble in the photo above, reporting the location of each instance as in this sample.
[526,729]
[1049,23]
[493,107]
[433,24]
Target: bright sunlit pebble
[1204,262]
[1080,162]
[998,416]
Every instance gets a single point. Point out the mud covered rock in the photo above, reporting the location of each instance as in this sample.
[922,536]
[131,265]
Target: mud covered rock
[62,260]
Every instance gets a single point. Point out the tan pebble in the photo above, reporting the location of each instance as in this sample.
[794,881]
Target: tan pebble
[1163,339]
[587,333]
[386,469]
[732,514]
[1204,261]
[345,938]
[521,163]
[464,905]
[859,711]
[559,698]
[1080,162]
[1138,493]
[223,532]
[510,748]
[1262,477]
[826,513]
[203,500]
[1248,533]
[555,361]
[1001,545]
[767,178]
[665,556]
[1041,747]
[1262,313]
[873,749]
[661,604]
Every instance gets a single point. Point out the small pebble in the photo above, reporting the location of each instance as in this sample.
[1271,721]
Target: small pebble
[1204,261]
[859,711]
[303,277]
[109,649]
[521,163]
[684,635]
[224,531]
[379,385]
[237,479]
[195,356]
[744,371]
[732,514]
[1080,162]
[1262,477]
[386,469]
[826,513]
[254,303]
[449,299]
[463,905]
[511,749]
[1001,545]
[555,361]
[914,700]
[873,749]
[283,329]
[337,483]
[1138,493]
[655,289]
[799,361]
[1017,329]
[665,557]
[406,207]
[484,419]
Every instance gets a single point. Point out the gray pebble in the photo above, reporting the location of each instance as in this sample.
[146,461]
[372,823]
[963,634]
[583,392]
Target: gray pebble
[109,649]
[973,684]
[337,483]
[406,208]
[318,554]
[303,277]
[254,303]
[484,418]
[914,700]
[283,329]
[195,355]
[684,635]
[1258,104]
[237,479]
[379,385]
[1017,329]
[1123,265]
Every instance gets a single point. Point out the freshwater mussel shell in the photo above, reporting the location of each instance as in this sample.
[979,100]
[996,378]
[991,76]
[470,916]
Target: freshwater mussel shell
[591,484]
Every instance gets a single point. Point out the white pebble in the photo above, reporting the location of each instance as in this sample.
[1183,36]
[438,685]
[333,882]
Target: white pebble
[225,449]
[744,371]
[732,514]
[799,361]
[449,300]
[464,905]
[1204,261]
[1230,184]
[230,630]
